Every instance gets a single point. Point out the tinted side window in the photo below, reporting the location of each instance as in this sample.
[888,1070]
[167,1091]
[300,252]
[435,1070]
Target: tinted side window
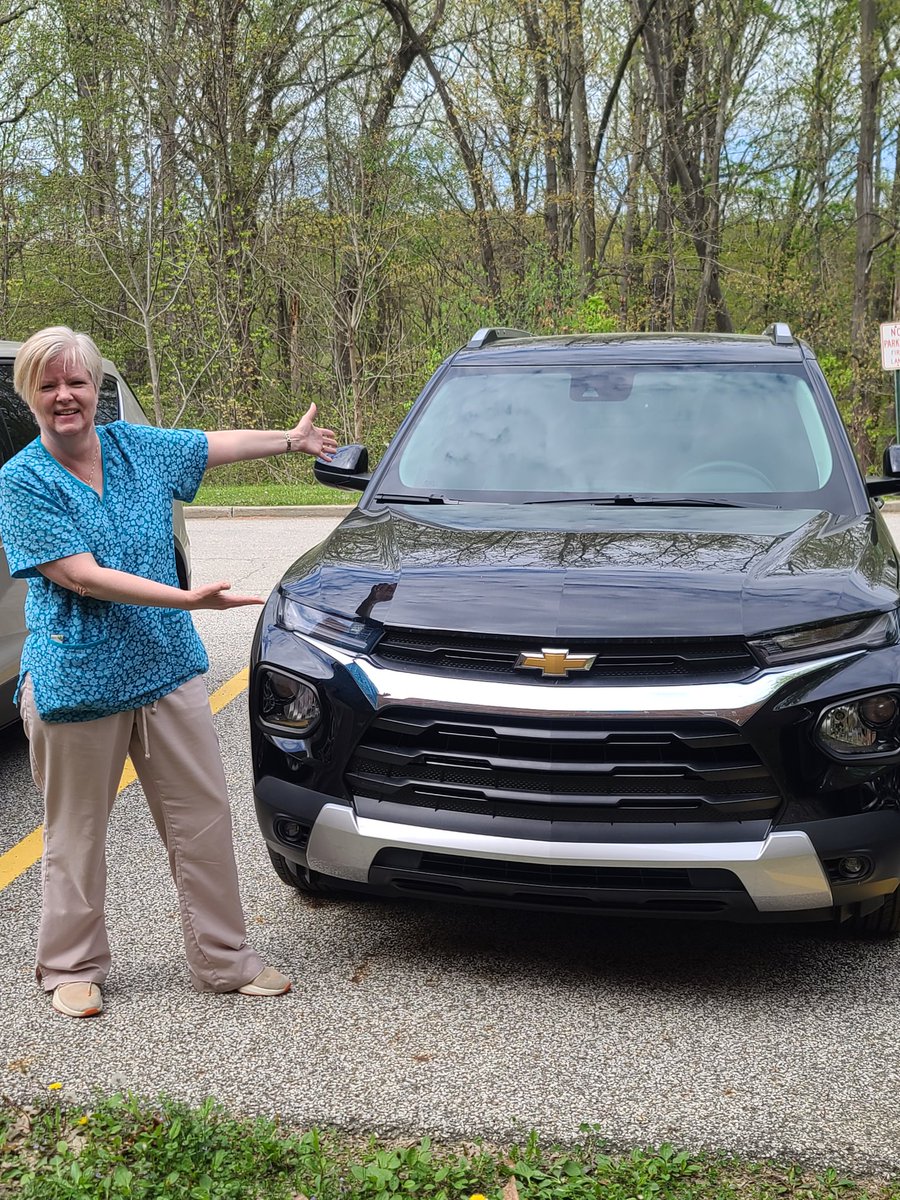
[107,401]
[20,424]
[14,413]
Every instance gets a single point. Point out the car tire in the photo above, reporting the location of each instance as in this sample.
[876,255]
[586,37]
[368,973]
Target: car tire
[283,868]
[296,877]
[181,569]
[884,922]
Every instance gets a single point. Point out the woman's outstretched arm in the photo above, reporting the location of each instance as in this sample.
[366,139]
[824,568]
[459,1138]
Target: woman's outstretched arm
[239,445]
[82,573]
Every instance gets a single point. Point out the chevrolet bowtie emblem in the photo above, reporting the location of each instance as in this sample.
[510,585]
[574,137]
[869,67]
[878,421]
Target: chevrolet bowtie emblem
[555,662]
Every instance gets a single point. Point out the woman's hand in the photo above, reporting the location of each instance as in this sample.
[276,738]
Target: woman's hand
[311,439]
[215,595]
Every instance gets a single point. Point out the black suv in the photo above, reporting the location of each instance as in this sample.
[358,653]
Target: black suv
[614,627]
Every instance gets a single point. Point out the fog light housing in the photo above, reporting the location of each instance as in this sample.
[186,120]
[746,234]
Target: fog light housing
[288,703]
[854,867]
[868,725]
[292,832]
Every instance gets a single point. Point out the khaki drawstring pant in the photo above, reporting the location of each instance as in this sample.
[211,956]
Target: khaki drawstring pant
[78,766]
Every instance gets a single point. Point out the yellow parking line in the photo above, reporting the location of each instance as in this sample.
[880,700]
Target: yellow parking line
[23,855]
[229,690]
[26,853]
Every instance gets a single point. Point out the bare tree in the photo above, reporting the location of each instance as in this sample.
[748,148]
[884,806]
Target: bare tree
[875,54]
[401,13]
[699,58]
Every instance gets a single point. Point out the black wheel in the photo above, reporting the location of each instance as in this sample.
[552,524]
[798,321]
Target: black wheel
[884,922]
[181,568]
[283,868]
[303,881]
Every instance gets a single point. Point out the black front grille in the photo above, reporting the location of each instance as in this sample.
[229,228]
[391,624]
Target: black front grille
[563,769]
[648,661]
[550,875]
[677,890]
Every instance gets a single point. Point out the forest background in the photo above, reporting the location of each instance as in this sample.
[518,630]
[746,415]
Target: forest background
[252,204]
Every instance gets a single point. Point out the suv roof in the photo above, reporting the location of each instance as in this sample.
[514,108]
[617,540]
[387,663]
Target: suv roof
[9,349]
[493,346]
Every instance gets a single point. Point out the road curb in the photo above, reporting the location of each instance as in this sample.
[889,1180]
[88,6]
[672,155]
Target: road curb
[219,511]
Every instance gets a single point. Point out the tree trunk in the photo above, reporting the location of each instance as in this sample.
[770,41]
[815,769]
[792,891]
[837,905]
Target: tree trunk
[632,238]
[474,172]
[583,206]
[894,220]
[538,49]
[672,46]
[866,217]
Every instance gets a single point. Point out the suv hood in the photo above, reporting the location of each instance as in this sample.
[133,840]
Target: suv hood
[572,571]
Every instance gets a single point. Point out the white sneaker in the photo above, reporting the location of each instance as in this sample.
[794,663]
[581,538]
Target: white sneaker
[79,999]
[268,982]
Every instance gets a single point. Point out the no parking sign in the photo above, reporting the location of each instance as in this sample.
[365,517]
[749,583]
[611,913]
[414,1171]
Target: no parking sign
[890,345]
[890,361]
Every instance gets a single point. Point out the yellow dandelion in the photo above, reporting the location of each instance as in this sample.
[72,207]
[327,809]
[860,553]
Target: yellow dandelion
[82,1120]
[478,1196]
[53,1087]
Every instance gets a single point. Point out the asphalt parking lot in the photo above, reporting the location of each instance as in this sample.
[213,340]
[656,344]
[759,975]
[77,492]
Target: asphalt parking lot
[459,1022]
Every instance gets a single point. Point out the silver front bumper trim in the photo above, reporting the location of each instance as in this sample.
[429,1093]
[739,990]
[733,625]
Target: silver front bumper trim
[781,873]
[736,702]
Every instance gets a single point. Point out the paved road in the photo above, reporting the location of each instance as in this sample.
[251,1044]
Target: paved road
[411,1018]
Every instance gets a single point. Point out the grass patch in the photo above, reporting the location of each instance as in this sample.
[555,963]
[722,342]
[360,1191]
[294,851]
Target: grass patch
[124,1147]
[258,494]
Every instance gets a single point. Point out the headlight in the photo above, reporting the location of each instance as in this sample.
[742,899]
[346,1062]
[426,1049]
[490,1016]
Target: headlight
[349,632]
[870,725]
[814,641]
[288,703]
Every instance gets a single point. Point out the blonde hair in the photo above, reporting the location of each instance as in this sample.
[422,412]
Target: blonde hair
[45,347]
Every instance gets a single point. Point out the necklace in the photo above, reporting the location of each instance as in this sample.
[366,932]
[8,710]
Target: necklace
[90,479]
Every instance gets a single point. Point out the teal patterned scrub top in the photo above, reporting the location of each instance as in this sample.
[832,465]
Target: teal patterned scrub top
[88,658]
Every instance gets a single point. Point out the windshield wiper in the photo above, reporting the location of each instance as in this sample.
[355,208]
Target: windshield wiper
[688,502]
[412,498]
[658,501]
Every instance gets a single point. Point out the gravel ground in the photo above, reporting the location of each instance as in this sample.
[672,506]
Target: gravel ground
[412,1018]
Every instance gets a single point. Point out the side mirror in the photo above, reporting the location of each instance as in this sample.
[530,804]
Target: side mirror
[890,484]
[349,468]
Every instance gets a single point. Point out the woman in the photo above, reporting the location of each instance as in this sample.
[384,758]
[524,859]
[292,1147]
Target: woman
[112,665]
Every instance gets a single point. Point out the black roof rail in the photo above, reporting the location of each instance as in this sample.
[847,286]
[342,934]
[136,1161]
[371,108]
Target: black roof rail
[484,337]
[780,333]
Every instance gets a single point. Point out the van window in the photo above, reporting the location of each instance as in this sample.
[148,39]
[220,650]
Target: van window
[20,424]
[14,414]
[107,401]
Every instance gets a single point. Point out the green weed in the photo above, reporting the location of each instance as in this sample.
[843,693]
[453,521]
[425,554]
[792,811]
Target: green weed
[124,1148]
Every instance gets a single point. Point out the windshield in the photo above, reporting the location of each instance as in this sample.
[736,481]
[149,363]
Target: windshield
[742,432]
